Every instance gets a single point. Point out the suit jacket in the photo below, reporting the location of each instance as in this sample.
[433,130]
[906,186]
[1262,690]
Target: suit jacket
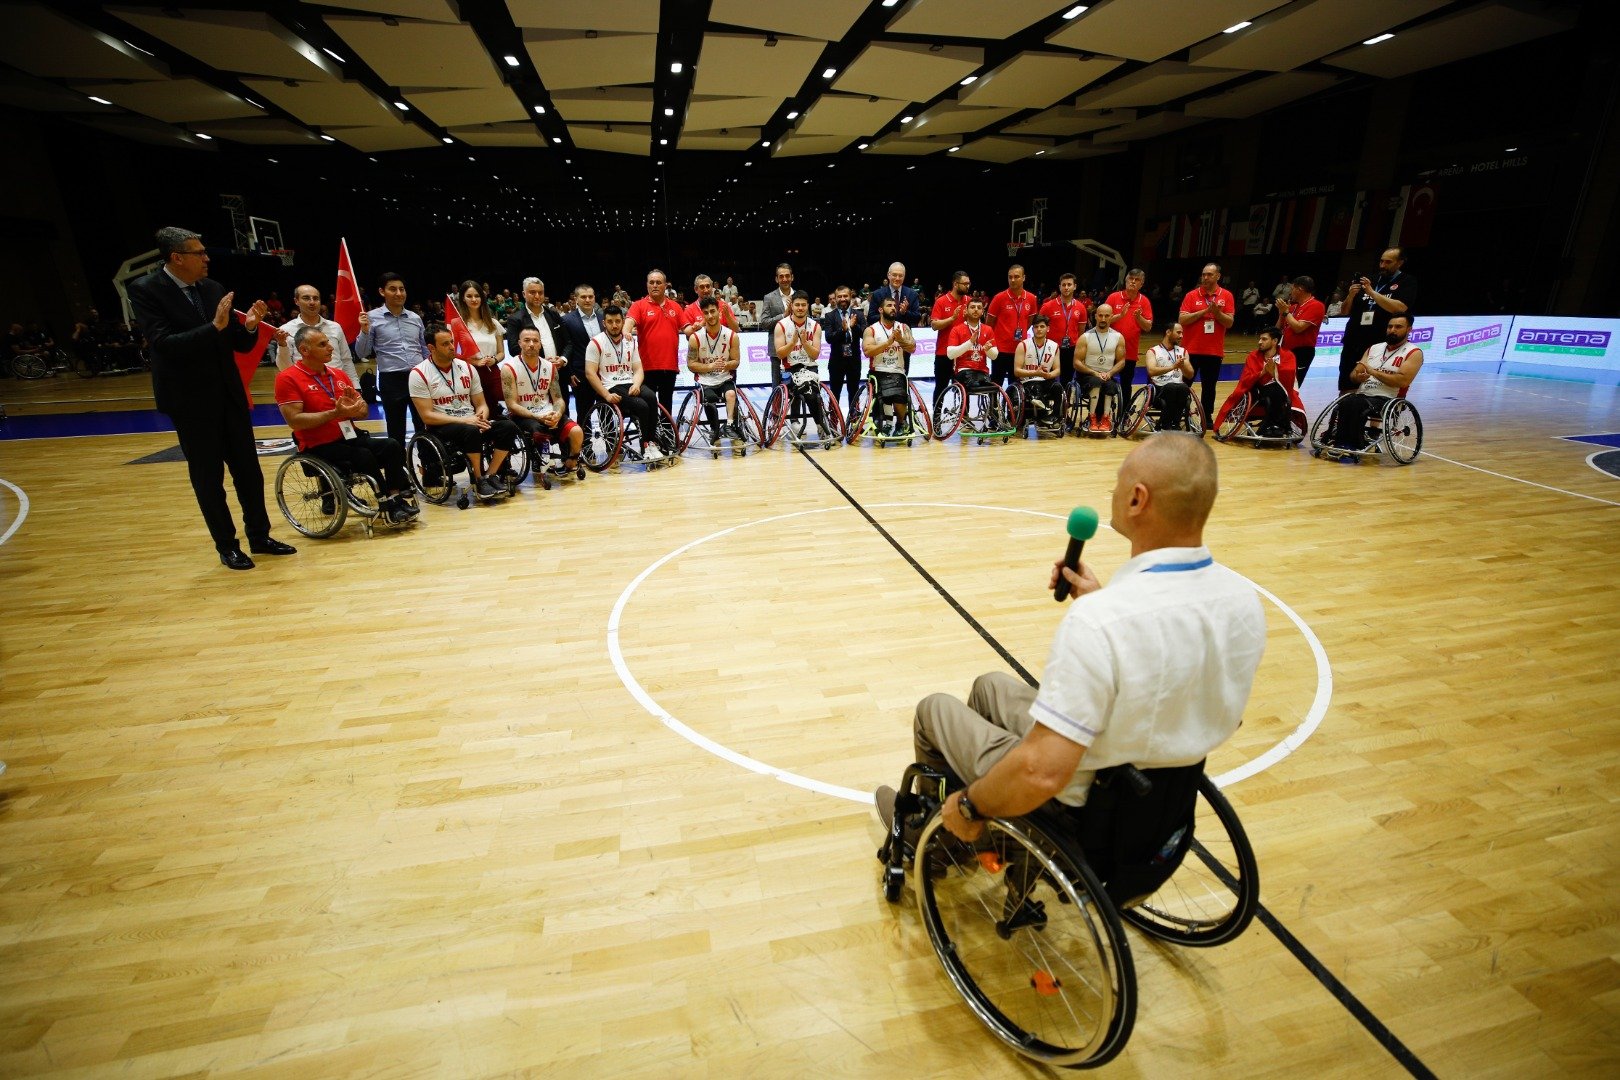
[832,326]
[193,370]
[773,310]
[912,316]
[578,337]
[523,320]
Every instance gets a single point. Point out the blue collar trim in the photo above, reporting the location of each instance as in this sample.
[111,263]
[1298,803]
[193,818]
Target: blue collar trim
[1177,567]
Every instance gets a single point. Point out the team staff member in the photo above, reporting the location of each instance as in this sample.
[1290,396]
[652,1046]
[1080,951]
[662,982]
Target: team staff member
[397,337]
[949,311]
[1300,320]
[1154,669]
[321,404]
[703,285]
[842,327]
[1369,306]
[532,386]
[655,322]
[1206,314]
[192,333]
[449,399]
[308,299]
[1133,313]
[1008,315]
[580,325]
[1066,317]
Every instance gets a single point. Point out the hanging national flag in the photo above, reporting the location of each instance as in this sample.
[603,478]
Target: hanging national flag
[248,362]
[1415,221]
[346,306]
[466,347]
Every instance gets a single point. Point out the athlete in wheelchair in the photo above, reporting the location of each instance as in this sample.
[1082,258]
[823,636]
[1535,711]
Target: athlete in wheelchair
[548,441]
[1037,817]
[1264,407]
[801,398]
[713,355]
[973,403]
[1376,417]
[457,432]
[1035,392]
[888,408]
[1165,402]
[1099,357]
[339,468]
[624,406]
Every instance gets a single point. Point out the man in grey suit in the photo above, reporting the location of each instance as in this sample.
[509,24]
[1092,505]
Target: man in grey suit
[774,310]
[193,335]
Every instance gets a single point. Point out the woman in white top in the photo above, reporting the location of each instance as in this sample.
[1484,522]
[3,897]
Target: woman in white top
[473,307]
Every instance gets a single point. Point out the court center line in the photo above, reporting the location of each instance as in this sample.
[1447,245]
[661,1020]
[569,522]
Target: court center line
[1319,971]
[22,510]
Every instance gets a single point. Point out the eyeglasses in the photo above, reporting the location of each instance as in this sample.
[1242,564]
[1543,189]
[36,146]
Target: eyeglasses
[200,251]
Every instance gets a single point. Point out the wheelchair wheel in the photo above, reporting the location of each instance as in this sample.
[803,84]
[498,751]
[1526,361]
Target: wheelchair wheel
[1324,427]
[666,437]
[606,441]
[313,497]
[519,461]
[775,420]
[837,428]
[1017,408]
[1028,937]
[1212,896]
[30,366]
[1076,408]
[1197,422]
[950,412]
[748,419]
[921,425]
[1403,431]
[686,418]
[861,413]
[1237,419]
[1136,412]
[432,471]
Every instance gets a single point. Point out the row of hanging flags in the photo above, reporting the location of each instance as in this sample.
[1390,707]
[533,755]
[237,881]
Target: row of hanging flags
[346,308]
[1369,219]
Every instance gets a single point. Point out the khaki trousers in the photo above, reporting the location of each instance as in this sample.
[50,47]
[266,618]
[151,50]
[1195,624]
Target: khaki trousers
[971,738]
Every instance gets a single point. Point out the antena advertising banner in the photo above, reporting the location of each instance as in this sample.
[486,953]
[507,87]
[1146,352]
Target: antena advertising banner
[1587,350]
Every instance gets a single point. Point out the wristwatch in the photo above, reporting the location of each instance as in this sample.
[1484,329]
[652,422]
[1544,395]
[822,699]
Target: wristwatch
[964,806]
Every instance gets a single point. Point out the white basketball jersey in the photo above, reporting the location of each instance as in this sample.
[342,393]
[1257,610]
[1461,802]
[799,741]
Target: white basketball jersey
[1039,356]
[451,391]
[892,359]
[615,364]
[1158,355]
[712,351]
[533,387]
[1380,358]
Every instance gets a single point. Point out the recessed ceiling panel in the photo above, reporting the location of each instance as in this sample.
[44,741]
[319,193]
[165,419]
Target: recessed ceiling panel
[852,114]
[1001,149]
[448,108]
[1271,92]
[521,133]
[895,144]
[431,10]
[711,114]
[395,136]
[1299,33]
[623,16]
[569,60]
[728,139]
[252,42]
[177,101]
[824,20]
[1154,85]
[419,53]
[742,65]
[1067,120]
[908,72]
[1152,29]
[614,138]
[806,145]
[1158,124]
[1476,30]
[74,52]
[969,18]
[1073,151]
[268,131]
[949,118]
[605,103]
[39,95]
[343,104]
[1036,80]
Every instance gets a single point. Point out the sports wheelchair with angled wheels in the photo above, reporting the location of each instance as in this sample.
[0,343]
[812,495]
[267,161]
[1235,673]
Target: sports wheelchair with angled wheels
[436,466]
[700,422]
[981,412]
[1045,410]
[1246,419]
[1028,920]
[317,498]
[790,419]
[879,424]
[539,453]
[1393,429]
[1143,416]
[615,436]
[1078,408]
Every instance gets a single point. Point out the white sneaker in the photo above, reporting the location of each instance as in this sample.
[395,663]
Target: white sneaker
[651,453]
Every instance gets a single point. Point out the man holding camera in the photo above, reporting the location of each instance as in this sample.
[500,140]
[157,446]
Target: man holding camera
[1369,306]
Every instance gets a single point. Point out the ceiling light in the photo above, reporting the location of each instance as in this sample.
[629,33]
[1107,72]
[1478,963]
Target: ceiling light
[333,55]
[1376,40]
[1236,27]
[200,135]
[1038,153]
[890,3]
[447,140]
[663,142]
[401,106]
[555,139]
[863,146]
[669,112]
[272,161]
[969,81]
[953,149]
[675,68]
[748,164]
[794,115]
[829,73]
[253,103]
[511,61]
[906,119]
[328,138]
[1510,149]
[540,110]
[99,100]
[1075,12]
[765,142]
[138,49]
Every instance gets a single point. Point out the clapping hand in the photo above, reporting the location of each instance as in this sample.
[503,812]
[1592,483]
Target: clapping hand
[254,315]
[222,313]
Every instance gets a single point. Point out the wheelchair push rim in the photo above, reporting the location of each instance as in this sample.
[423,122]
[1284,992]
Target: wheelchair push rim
[305,487]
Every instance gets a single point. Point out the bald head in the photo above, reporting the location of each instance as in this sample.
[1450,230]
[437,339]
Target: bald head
[1165,492]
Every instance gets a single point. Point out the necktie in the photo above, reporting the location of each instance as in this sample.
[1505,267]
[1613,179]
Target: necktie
[196,301]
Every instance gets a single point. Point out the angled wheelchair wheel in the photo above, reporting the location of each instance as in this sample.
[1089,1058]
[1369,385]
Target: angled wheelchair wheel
[688,416]
[1212,896]
[837,429]
[1136,412]
[520,458]
[1324,427]
[921,424]
[1197,422]
[432,470]
[950,412]
[1076,408]
[776,413]
[1403,431]
[748,418]
[606,440]
[313,497]
[30,366]
[666,437]
[861,413]
[1237,419]
[1029,938]
[1017,407]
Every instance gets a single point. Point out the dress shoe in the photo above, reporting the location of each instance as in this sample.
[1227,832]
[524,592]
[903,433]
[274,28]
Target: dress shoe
[270,546]
[234,559]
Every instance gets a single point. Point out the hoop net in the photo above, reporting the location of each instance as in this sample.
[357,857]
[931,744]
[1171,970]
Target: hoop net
[1014,247]
[284,254]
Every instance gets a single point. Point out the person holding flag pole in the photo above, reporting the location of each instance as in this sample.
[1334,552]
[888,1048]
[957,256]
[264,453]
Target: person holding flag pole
[397,337]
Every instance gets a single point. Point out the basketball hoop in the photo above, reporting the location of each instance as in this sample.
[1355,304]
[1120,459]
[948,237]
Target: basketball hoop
[1013,248]
[284,254]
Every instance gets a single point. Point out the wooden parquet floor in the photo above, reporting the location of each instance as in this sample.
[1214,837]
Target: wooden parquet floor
[386,808]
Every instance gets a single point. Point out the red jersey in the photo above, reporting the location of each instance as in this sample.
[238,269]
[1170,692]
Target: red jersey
[1012,315]
[1067,320]
[1125,319]
[981,338]
[316,393]
[947,306]
[1310,311]
[658,333]
[694,314]
[1205,336]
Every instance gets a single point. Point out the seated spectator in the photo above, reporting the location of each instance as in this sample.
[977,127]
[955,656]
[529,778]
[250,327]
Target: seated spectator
[1385,371]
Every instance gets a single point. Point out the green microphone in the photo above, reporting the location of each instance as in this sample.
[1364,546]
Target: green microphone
[1082,527]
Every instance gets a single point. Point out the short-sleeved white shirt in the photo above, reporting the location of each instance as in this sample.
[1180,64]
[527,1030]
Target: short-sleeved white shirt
[1159,355]
[451,392]
[1154,669]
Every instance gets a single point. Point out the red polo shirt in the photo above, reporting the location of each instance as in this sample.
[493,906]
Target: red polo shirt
[973,359]
[316,393]
[1012,315]
[1129,328]
[694,314]
[1310,311]
[1067,320]
[1194,338]
[947,306]
[658,333]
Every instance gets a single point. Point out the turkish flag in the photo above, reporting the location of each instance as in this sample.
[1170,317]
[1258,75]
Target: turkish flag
[246,362]
[466,347]
[346,308]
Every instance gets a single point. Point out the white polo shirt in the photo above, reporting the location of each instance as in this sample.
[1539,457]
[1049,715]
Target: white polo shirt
[1155,668]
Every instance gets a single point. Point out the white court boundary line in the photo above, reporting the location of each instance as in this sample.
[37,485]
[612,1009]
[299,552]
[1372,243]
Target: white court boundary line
[1592,463]
[1312,720]
[1519,479]
[22,510]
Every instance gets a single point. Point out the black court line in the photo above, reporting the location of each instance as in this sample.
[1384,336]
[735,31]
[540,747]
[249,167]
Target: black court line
[1330,982]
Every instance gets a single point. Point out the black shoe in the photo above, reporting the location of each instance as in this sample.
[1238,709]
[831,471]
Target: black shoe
[486,490]
[235,560]
[271,546]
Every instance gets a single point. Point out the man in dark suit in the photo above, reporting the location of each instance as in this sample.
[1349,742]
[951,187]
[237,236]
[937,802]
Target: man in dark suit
[842,327]
[908,308]
[774,309]
[533,313]
[191,334]
[581,324]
